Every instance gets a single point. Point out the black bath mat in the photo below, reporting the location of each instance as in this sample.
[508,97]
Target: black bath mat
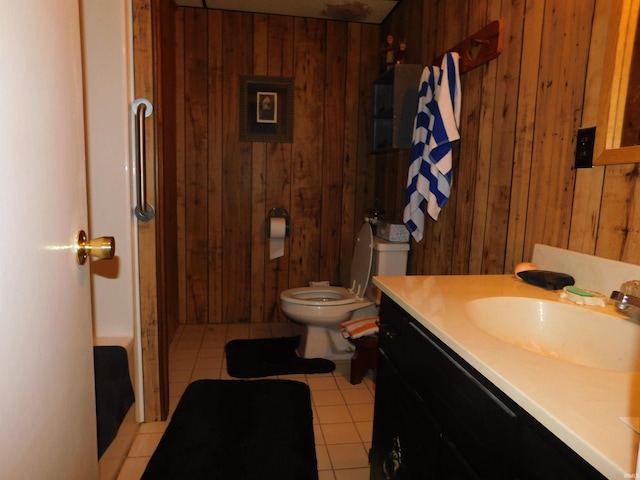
[240,430]
[264,357]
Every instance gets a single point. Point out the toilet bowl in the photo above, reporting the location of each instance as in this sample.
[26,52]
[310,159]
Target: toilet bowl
[320,305]
[320,310]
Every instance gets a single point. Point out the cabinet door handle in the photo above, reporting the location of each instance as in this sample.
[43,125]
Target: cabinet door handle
[388,332]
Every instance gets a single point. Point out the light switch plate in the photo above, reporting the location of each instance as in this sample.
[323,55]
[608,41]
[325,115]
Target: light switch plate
[585,142]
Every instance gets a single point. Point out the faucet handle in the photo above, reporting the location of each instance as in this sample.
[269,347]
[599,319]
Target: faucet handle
[632,287]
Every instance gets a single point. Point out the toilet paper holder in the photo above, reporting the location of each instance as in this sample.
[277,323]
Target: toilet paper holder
[277,212]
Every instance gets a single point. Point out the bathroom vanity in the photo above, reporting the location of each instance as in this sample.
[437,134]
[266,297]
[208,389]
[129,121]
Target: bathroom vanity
[453,401]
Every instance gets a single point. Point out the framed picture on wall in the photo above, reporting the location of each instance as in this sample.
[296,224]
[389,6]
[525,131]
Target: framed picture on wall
[266,109]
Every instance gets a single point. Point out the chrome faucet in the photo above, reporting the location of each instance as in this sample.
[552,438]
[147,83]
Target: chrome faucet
[626,304]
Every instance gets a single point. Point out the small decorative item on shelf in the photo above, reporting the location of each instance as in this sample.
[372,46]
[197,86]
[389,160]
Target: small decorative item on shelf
[401,54]
[387,54]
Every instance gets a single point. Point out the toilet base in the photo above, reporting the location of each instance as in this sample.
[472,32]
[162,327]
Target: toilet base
[322,342]
[327,341]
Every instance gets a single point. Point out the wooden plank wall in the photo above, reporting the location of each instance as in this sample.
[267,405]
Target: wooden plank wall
[514,181]
[225,188]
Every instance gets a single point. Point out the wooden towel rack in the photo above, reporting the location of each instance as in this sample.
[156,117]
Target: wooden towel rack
[479,48]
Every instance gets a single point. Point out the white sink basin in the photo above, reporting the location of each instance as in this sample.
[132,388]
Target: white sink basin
[561,331]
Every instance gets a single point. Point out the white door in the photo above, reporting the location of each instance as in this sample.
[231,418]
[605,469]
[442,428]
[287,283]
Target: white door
[47,404]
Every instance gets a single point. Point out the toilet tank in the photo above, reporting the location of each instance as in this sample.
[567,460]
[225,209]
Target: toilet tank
[389,259]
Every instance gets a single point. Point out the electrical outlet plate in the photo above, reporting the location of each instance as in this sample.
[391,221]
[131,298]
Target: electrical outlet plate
[585,142]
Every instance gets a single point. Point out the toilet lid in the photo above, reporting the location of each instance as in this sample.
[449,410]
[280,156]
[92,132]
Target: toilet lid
[361,261]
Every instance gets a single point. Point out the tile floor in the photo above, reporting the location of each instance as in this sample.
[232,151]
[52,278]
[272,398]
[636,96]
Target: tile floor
[343,413]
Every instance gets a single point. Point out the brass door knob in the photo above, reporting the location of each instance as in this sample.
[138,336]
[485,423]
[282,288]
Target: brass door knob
[102,247]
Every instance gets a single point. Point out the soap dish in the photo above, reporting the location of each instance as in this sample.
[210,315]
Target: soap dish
[580,296]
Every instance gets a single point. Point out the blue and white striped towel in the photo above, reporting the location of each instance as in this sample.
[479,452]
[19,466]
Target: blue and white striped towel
[435,127]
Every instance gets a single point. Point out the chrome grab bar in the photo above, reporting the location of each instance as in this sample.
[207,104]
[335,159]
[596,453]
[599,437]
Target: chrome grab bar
[142,108]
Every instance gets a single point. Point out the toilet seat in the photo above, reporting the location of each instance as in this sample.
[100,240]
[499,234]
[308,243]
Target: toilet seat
[318,296]
[336,296]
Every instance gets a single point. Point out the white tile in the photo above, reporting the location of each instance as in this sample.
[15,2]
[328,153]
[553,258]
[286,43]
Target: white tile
[214,340]
[218,328]
[282,329]
[351,455]
[326,475]
[333,414]
[260,330]
[195,327]
[343,368]
[324,463]
[145,444]
[365,429]
[317,434]
[153,427]
[294,376]
[370,382]
[208,363]
[205,374]
[210,352]
[176,389]
[338,433]
[188,343]
[109,467]
[237,331]
[357,395]
[344,383]
[133,468]
[352,474]
[224,375]
[327,397]
[179,376]
[181,353]
[321,383]
[361,412]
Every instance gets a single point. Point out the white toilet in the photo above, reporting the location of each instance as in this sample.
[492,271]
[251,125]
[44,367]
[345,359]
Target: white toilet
[320,310]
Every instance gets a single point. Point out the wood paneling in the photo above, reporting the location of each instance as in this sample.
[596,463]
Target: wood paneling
[147,64]
[514,183]
[226,187]
[514,180]
[196,169]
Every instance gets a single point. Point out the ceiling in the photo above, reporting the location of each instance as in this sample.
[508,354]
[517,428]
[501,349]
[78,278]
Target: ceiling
[366,11]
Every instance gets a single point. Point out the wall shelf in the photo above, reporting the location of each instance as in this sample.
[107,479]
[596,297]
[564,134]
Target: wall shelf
[394,98]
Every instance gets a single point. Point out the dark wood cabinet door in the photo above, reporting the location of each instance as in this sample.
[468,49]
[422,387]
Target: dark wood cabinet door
[405,437]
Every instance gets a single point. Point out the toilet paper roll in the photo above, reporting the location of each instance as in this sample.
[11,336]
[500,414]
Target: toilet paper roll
[277,232]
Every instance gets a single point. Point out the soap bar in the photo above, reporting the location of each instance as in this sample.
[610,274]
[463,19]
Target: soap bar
[578,291]
[547,279]
[580,296]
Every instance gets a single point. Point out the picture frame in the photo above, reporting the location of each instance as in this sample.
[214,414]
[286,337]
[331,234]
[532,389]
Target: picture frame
[266,109]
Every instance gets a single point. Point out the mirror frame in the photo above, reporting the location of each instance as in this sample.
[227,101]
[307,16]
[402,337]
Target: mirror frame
[613,91]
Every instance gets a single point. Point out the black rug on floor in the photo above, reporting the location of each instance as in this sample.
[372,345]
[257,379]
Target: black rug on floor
[114,392]
[238,430]
[264,357]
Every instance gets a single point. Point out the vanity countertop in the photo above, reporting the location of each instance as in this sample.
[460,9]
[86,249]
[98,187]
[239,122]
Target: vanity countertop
[590,409]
